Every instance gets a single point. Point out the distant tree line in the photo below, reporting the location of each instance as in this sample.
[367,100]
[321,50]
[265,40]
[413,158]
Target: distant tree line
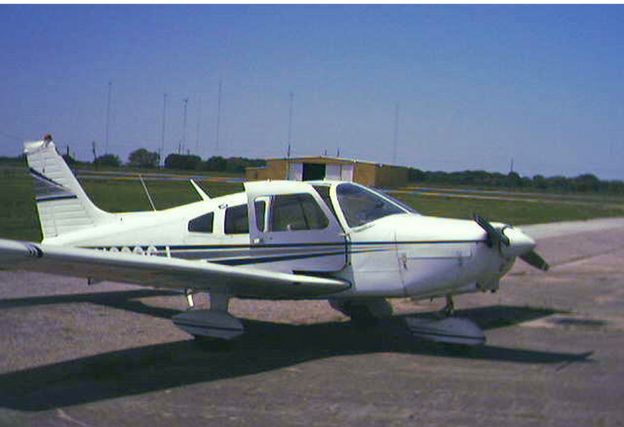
[143,158]
[214,163]
[478,178]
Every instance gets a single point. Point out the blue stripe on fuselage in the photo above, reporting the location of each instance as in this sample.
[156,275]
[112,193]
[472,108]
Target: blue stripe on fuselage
[215,254]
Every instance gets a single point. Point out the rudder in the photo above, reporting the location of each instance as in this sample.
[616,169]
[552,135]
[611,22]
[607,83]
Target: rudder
[62,204]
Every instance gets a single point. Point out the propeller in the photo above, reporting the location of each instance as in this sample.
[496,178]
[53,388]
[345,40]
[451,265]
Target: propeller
[534,259]
[495,236]
[519,245]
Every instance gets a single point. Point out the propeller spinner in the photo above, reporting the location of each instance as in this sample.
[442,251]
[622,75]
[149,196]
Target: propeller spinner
[516,244]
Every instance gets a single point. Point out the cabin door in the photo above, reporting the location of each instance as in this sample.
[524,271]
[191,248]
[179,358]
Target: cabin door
[291,227]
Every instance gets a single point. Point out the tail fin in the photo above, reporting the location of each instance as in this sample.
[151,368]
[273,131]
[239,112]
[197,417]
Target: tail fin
[62,204]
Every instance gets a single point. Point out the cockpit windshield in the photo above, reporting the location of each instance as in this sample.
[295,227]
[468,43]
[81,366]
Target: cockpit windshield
[361,206]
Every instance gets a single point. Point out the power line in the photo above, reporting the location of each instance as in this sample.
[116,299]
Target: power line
[11,136]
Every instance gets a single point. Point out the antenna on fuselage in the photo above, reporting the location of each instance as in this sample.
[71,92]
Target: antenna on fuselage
[147,192]
[201,192]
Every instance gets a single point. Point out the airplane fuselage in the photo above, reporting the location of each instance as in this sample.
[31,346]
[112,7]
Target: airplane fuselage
[397,255]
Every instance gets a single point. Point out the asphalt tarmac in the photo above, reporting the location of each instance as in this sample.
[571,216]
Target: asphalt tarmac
[107,355]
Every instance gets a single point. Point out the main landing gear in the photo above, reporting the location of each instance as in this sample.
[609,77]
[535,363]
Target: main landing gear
[363,313]
[214,324]
[449,309]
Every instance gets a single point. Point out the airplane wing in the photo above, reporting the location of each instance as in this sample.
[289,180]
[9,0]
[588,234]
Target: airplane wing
[162,272]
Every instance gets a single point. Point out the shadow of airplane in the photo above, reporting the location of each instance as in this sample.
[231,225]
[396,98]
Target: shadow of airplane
[264,347]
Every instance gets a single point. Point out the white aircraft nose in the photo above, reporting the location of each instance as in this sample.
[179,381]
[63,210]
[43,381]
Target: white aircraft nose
[519,243]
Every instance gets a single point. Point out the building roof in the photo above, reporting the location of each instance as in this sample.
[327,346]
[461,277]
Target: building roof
[326,159]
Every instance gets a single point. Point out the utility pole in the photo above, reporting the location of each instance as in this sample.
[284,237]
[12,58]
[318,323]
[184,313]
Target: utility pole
[95,164]
[108,112]
[218,116]
[395,138]
[290,114]
[162,132]
[199,113]
[184,124]
[511,166]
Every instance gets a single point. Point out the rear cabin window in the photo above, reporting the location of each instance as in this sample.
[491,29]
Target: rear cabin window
[296,212]
[237,219]
[202,224]
[260,206]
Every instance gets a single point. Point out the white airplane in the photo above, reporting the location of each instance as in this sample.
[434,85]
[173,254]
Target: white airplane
[339,241]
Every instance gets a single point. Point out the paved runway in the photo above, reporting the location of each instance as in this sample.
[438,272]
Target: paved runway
[73,355]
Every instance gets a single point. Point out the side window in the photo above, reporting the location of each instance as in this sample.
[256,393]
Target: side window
[260,206]
[202,224]
[237,220]
[296,212]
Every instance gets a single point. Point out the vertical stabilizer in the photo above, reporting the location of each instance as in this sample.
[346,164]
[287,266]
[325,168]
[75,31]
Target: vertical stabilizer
[62,204]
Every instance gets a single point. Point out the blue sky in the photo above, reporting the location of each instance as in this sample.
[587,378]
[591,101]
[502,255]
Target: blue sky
[476,85]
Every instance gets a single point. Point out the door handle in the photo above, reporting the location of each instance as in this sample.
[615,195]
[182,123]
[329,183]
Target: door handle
[403,260]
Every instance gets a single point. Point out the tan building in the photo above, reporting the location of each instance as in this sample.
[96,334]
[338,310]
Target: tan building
[330,168]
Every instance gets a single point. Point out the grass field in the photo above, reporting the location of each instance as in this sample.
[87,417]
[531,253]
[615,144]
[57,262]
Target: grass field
[510,211]
[18,214]
[590,197]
